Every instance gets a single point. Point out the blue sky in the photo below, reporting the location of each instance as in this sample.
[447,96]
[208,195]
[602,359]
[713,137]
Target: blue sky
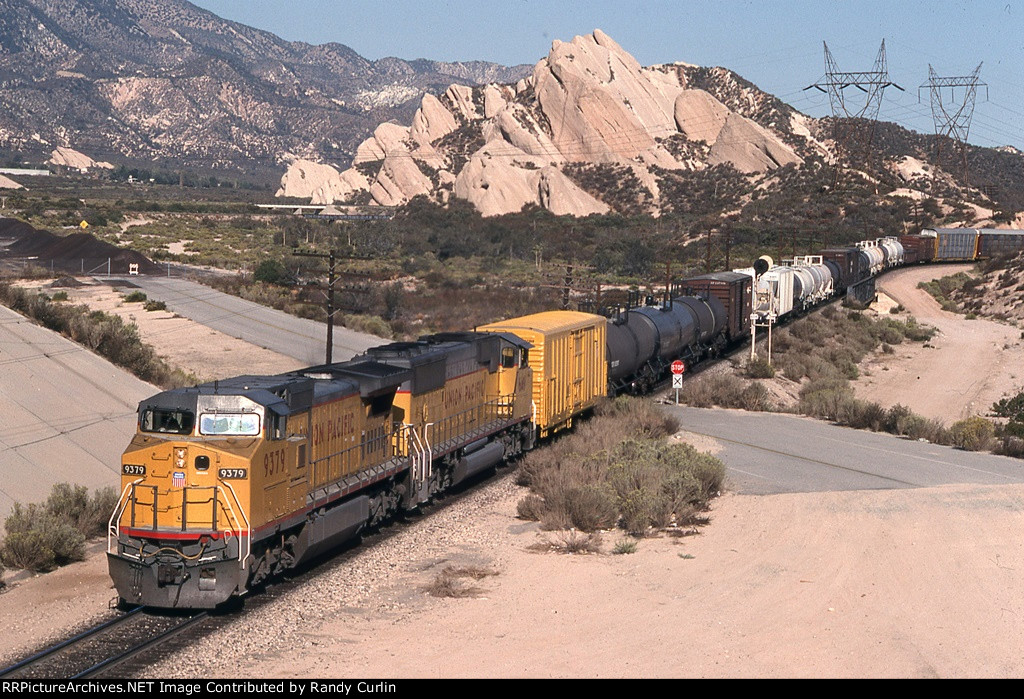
[776,44]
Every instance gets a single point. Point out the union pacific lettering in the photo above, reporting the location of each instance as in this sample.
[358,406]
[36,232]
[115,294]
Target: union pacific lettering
[331,429]
[463,395]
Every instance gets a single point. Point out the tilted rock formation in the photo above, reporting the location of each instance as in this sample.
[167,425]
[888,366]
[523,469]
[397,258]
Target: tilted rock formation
[68,157]
[8,183]
[588,105]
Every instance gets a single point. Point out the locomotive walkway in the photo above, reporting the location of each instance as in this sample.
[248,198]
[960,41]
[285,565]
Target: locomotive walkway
[775,453]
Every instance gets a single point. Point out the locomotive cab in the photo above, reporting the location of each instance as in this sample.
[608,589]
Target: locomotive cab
[182,531]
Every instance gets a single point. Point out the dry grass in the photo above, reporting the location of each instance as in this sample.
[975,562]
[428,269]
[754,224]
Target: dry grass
[569,541]
[452,582]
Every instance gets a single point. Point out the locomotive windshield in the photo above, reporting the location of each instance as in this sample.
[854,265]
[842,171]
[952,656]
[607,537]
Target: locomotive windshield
[167,421]
[230,424]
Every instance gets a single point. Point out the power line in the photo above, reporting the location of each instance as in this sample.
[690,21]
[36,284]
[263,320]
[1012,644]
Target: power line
[854,133]
[955,121]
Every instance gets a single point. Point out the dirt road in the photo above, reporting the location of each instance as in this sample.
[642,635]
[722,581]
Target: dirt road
[962,371]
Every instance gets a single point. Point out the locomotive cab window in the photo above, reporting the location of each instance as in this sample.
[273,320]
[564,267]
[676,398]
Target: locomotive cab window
[509,355]
[230,424]
[167,421]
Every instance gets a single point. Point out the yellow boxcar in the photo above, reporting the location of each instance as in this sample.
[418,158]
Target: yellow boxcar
[568,360]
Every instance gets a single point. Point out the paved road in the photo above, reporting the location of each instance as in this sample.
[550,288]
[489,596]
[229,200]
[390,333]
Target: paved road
[65,414]
[775,453]
[300,338]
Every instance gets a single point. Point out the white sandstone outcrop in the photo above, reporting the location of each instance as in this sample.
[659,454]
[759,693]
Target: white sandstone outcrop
[68,157]
[503,147]
[8,183]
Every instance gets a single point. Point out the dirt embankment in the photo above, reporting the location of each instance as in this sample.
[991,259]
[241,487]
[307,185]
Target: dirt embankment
[962,371]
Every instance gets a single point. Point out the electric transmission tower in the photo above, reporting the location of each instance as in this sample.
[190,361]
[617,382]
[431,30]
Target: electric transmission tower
[953,119]
[854,124]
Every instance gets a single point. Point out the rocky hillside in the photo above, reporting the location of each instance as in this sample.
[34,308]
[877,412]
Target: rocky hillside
[134,81]
[589,131]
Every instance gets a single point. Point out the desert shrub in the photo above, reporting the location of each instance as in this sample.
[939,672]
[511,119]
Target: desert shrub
[866,415]
[530,507]
[39,541]
[709,390]
[623,546]
[135,297]
[373,325]
[897,419]
[591,506]
[928,429]
[40,537]
[756,397]
[155,306]
[639,417]
[89,514]
[760,368]
[572,541]
[973,434]
[270,272]
[613,471]
[59,296]
[825,398]
[1012,445]
[450,582]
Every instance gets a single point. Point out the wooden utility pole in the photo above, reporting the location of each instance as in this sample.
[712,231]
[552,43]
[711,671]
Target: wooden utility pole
[332,258]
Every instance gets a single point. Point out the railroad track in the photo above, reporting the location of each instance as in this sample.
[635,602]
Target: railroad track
[104,647]
[133,640]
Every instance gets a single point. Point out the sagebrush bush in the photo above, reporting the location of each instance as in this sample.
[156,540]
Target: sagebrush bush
[40,537]
[760,368]
[973,434]
[39,541]
[616,469]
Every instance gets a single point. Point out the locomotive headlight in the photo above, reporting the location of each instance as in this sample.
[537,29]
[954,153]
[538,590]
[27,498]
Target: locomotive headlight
[180,453]
[180,463]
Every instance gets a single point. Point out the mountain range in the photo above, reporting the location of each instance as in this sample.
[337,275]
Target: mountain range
[142,82]
[585,130]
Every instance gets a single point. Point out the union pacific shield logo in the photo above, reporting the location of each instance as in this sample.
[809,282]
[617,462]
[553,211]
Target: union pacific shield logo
[178,479]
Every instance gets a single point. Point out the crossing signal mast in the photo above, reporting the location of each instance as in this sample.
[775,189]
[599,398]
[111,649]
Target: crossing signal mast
[953,119]
[854,123]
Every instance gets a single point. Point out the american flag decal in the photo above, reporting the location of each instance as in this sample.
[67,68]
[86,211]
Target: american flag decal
[178,479]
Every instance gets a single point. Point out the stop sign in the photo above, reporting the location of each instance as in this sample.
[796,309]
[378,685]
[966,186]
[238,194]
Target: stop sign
[678,367]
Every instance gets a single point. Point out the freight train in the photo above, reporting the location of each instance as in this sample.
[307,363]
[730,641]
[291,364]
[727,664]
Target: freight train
[229,482]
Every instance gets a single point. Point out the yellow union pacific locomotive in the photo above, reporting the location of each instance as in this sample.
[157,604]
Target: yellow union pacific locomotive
[228,482]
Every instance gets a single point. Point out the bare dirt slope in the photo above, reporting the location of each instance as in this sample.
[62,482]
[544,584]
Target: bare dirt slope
[965,368]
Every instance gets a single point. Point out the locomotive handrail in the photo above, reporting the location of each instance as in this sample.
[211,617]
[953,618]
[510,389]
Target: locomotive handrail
[115,519]
[248,527]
